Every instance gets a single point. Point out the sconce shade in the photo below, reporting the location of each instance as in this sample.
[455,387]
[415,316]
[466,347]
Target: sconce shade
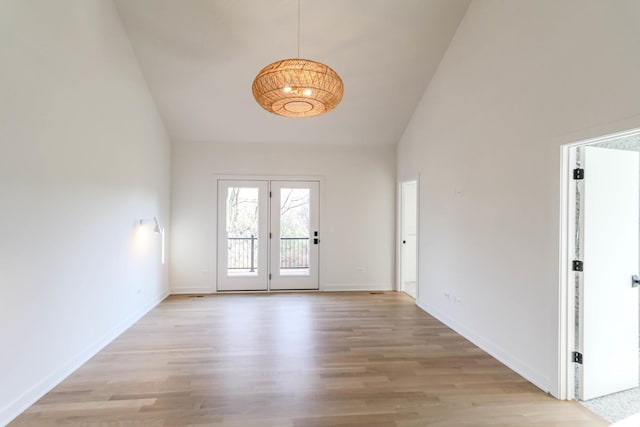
[298,88]
[157,228]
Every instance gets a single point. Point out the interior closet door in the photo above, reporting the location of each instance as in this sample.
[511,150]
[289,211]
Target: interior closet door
[609,300]
[408,250]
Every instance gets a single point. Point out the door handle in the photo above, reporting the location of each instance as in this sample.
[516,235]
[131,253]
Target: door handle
[635,281]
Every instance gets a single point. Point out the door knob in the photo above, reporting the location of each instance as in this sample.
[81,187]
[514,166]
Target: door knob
[635,281]
[404,241]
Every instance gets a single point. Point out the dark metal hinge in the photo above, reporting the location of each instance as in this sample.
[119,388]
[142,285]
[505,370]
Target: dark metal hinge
[270,194]
[269,235]
[576,357]
[269,276]
[577,265]
[578,173]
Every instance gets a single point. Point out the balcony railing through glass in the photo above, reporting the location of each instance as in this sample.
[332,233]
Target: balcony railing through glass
[243,254]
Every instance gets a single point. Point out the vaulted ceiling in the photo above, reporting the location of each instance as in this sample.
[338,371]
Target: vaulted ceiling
[200,57]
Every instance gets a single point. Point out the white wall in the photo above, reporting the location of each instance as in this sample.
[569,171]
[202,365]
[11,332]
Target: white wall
[83,156]
[356,219]
[519,79]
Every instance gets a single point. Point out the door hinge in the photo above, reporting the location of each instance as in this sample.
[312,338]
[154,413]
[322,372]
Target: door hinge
[269,235]
[270,194]
[578,173]
[577,265]
[269,276]
[576,357]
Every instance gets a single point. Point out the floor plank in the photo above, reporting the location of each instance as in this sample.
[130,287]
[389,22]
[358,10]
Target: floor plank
[296,360]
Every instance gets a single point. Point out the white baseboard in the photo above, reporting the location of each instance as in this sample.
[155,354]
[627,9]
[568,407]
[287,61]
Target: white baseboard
[28,398]
[187,291]
[333,287]
[529,373]
[363,287]
[349,287]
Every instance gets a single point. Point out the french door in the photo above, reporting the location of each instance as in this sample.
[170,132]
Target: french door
[242,235]
[295,235]
[268,235]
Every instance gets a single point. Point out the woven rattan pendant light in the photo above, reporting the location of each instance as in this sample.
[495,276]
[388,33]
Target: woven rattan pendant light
[298,87]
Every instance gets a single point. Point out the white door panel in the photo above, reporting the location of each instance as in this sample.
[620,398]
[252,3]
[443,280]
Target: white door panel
[408,250]
[294,235]
[609,303]
[242,235]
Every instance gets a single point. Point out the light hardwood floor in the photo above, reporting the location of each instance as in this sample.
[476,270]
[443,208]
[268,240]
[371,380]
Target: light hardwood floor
[296,360]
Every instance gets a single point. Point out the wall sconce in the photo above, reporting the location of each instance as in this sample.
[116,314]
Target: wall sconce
[156,224]
[157,228]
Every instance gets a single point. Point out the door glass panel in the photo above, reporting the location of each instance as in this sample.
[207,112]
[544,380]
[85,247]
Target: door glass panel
[242,231]
[295,231]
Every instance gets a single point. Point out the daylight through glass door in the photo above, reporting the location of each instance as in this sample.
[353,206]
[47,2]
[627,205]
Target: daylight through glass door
[295,217]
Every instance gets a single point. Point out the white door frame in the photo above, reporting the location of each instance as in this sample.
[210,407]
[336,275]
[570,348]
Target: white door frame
[567,312]
[402,180]
[249,177]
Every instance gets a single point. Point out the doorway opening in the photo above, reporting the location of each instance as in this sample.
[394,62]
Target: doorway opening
[268,235]
[600,268]
[409,238]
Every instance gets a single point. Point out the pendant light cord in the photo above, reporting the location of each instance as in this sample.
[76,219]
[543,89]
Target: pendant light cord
[298,29]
